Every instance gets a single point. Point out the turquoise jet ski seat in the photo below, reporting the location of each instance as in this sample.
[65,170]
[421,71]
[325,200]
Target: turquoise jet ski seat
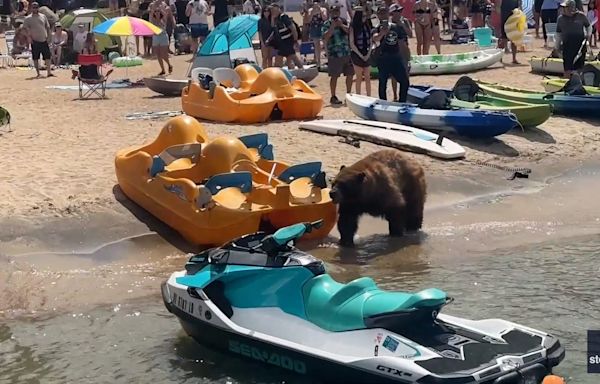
[343,307]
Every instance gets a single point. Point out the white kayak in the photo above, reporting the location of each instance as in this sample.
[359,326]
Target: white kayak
[306,74]
[391,135]
[552,66]
[455,62]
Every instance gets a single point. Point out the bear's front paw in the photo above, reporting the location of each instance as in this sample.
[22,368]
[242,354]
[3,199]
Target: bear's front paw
[346,243]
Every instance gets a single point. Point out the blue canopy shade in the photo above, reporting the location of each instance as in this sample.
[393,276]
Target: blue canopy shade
[232,34]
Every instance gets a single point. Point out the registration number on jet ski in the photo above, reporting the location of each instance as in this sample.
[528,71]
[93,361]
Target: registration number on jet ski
[273,358]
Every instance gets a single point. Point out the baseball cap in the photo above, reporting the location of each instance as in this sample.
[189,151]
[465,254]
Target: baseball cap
[568,4]
[395,7]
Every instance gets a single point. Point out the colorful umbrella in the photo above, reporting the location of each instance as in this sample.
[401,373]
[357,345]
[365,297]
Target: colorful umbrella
[127,26]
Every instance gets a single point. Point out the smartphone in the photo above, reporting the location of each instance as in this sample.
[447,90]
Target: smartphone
[385,23]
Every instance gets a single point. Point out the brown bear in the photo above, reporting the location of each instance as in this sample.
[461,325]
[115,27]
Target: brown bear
[386,184]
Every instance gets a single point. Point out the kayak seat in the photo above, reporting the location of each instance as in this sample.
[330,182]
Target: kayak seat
[340,307]
[466,89]
[574,87]
[590,75]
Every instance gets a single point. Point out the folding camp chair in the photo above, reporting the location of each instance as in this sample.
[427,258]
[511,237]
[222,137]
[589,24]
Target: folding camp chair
[90,77]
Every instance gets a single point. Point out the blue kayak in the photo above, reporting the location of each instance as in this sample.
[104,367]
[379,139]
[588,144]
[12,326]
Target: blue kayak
[460,121]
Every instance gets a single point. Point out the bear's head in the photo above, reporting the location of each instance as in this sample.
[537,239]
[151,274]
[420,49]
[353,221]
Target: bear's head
[347,185]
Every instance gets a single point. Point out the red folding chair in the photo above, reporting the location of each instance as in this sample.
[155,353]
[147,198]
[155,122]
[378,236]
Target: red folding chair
[92,80]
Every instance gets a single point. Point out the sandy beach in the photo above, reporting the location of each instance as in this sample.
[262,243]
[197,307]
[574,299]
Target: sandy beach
[59,155]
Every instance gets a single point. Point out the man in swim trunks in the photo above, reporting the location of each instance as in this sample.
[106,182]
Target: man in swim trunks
[38,30]
[505,8]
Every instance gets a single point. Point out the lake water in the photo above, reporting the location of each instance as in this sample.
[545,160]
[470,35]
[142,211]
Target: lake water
[552,286]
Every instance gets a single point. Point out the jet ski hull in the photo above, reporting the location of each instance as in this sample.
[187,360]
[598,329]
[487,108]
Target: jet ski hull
[362,356]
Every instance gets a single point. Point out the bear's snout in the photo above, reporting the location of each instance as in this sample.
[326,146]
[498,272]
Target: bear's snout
[333,194]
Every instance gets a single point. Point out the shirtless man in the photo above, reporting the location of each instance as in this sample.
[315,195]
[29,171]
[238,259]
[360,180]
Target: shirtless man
[38,30]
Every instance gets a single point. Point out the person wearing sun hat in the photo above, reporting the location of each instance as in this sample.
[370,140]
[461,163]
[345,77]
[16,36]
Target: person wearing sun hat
[572,30]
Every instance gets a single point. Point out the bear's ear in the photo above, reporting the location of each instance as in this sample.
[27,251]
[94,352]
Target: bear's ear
[360,177]
[342,167]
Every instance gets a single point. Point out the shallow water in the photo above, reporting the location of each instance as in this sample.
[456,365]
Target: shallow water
[552,286]
[94,313]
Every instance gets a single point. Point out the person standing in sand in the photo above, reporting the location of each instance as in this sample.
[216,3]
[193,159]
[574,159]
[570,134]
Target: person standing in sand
[505,9]
[335,35]
[395,54]
[159,12]
[198,12]
[360,32]
[39,31]
[572,31]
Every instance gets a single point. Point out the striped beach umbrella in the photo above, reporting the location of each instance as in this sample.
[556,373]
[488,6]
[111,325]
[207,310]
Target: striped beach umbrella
[127,26]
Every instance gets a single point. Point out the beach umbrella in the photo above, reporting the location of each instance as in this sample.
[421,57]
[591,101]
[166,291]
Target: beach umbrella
[127,26]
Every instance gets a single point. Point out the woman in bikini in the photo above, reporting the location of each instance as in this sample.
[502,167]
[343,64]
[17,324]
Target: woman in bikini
[424,11]
[59,39]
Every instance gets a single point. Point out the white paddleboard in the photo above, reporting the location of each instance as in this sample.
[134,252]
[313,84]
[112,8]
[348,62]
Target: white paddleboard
[391,135]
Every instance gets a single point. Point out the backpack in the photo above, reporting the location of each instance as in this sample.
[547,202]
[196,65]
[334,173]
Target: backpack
[466,89]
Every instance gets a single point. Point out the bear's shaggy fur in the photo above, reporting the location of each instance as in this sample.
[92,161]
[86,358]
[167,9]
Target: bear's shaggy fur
[386,184]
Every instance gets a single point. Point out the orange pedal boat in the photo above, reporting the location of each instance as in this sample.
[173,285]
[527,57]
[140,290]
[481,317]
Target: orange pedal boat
[212,191]
[242,95]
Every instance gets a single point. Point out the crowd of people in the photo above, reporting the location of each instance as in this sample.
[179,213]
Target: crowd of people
[341,31]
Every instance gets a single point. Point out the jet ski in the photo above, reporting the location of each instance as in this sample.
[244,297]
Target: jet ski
[262,298]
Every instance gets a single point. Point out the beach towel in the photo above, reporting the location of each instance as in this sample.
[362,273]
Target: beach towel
[120,83]
[152,115]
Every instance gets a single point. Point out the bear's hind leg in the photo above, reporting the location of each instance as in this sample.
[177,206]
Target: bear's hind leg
[395,218]
[347,226]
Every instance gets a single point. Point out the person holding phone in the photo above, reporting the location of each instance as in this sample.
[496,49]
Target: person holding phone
[335,34]
[394,53]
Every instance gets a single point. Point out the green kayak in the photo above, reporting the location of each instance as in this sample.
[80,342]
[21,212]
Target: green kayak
[467,94]
[555,85]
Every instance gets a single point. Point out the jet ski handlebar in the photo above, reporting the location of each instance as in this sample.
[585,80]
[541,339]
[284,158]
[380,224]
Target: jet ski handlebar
[278,242]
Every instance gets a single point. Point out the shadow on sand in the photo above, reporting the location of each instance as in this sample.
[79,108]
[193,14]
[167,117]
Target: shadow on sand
[492,146]
[534,134]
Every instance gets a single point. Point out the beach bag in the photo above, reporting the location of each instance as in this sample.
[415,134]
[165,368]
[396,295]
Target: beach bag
[590,75]
[466,89]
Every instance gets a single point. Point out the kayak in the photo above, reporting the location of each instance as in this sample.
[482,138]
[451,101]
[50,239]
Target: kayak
[553,66]
[464,122]
[451,63]
[586,106]
[555,85]
[529,115]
